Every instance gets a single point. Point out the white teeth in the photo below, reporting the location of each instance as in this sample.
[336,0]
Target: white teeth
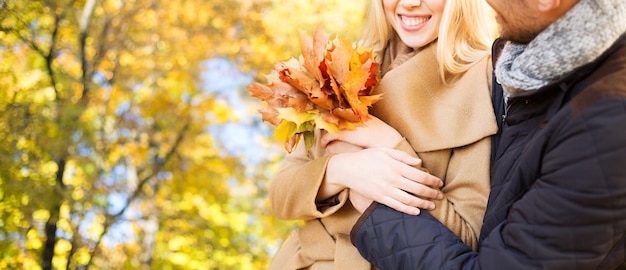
[413,21]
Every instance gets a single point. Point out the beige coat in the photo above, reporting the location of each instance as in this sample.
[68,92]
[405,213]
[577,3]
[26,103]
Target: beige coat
[448,127]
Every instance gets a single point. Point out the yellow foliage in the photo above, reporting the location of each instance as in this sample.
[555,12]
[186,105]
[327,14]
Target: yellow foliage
[25,199]
[63,247]
[82,255]
[216,215]
[224,242]
[78,194]
[30,79]
[64,225]
[178,243]
[44,95]
[179,258]
[64,214]
[49,168]
[22,143]
[77,177]
[96,227]
[34,241]
[127,59]
[59,261]
[30,263]
[111,6]
[221,111]
[129,106]
[70,64]
[41,215]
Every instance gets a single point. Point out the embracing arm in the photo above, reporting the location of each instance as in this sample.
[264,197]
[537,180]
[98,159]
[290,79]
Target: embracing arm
[572,217]
[293,190]
[465,191]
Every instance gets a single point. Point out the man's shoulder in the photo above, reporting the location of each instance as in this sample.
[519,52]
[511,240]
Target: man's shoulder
[607,82]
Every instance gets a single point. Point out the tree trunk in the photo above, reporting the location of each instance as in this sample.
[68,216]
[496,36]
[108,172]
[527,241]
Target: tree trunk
[51,225]
[51,239]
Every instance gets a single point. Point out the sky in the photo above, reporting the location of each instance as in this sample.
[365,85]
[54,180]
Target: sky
[246,136]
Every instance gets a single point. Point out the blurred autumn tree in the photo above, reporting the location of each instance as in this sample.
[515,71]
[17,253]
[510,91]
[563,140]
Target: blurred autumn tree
[105,158]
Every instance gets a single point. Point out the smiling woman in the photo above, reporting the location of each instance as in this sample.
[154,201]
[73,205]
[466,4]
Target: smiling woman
[435,116]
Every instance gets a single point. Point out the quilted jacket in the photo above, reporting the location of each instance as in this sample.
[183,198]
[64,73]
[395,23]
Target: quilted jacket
[558,189]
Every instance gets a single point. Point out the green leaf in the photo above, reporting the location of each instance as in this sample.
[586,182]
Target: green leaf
[309,139]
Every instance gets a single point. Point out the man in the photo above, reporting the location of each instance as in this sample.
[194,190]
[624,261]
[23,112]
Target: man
[558,197]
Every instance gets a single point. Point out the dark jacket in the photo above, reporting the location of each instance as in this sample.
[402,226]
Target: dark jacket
[558,188]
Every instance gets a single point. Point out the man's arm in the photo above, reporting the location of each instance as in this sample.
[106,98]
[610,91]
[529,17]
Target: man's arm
[572,217]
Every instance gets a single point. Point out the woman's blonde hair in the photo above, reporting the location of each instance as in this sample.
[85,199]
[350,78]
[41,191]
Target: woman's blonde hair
[466,32]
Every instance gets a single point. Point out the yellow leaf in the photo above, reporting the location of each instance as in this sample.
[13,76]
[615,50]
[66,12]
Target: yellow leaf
[369,100]
[328,126]
[285,130]
[307,126]
[292,115]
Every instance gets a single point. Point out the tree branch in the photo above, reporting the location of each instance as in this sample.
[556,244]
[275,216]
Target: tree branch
[84,22]
[112,219]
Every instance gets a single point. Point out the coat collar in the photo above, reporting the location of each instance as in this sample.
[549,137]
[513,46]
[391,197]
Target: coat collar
[431,115]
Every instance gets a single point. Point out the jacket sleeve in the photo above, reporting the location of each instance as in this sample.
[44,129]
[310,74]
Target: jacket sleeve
[573,216]
[295,186]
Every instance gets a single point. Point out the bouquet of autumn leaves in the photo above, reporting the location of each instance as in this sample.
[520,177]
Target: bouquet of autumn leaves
[329,88]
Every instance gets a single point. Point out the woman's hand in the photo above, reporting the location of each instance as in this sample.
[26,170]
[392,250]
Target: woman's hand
[373,133]
[360,202]
[339,147]
[384,175]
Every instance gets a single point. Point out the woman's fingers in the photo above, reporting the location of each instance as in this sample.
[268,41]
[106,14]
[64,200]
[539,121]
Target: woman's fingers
[402,156]
[401,207]
[385,175]
[414,189]
[419,190]
[411,172]
[421,177]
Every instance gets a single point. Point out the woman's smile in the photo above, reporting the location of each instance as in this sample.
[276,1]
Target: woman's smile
[413,22]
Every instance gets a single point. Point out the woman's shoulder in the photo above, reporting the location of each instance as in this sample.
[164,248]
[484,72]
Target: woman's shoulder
[478,75]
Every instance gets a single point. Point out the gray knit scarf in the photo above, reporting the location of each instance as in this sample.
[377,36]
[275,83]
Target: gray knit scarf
[579,37]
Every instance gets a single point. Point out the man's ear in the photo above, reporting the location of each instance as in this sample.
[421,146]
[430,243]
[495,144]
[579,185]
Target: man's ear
[548,5]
